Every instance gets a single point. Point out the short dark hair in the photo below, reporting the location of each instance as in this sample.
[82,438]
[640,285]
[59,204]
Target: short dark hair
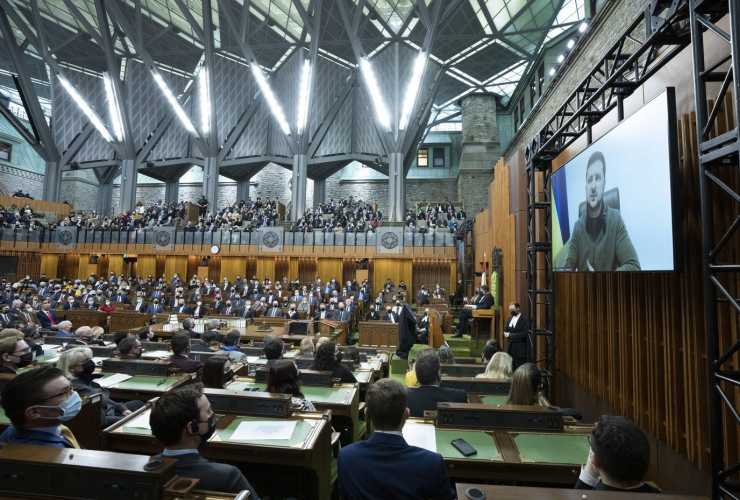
[273,348]
[180,341]
[233,338]
[119,336]
[127,345]
[29,330]
[484,288]
[26,390]
[386,403]
[596,156]
[144,332]
[621,448]
[427,369]
[489,350]
[208,336]
[173,411]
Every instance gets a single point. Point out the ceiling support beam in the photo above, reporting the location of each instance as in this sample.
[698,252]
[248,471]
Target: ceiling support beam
[241,126]
[22,130]
[331,115]
[303,138]
[201,33]
[209,64]
[161,128]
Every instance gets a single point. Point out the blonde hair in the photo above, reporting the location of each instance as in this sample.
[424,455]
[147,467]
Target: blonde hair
[97,332]
[307,345]
[9,340]
[500,367]
[70,358]
[322,340]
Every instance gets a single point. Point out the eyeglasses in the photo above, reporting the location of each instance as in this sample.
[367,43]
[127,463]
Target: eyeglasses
[24,351]
[67,393]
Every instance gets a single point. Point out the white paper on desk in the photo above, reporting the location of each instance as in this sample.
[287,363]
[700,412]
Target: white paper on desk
[99,361]
[422,436]
[140,422]
[155,354]
[258,431]
[113,379]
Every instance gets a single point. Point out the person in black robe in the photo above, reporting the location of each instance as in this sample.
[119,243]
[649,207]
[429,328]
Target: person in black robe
[406,332]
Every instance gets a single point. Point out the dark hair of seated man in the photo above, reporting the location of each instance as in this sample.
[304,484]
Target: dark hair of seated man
[385,405]
[620,455]
[525,385]
[273,348]
[427,369]
[233,338]
[180,342]
[119,336]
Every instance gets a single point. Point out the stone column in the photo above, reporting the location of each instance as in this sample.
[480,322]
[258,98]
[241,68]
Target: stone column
[210,181]
[396,188]
[242,189]
[319,192]
[172,190]
[105,199]
[129,177]
[298,193]
[52,181]
[480,151]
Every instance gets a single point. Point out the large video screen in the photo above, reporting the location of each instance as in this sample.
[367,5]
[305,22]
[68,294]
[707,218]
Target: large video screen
[613,205]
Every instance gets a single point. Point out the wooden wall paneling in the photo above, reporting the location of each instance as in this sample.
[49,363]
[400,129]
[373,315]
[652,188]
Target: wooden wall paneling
[146,265]
[231,267]
[103,261]
[82,266]
[176,264]
[349,269]
[293,268]
[162,267]
[251,268]
[193,263]
[328,268]
[115,264]
[265,267]
[49,263]
[282,268]
[307,271]
[214,267]
[395,269]
[68,265]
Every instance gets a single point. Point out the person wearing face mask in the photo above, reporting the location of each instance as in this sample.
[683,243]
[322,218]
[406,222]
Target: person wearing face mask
[130,348]
[71,303]
[182,420]
[275,311]
[372,315]
[30,336]
[341,314]
[484,302]
[515,331]
[217,372]
[229,309]
[390,315]
[14,351]
[422,327]
[231,344]
[304,307]
[292,313]
[78,366]
[180,345]
[37,402]
[154,309]
[84,336]
[323,313]
[141,305]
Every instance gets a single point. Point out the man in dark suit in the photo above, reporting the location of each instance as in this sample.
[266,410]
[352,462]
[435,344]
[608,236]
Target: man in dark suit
[180,344]
[386,466]
[323,313]
[183,420]
[182,308]
[155,308]
[249,311]
[515,332]
[485,303]
[372,315]
[229,310]
[275,311]
[5,317]
[390,315]
[422,327]
[121,297]
[342,314]
[140,306]
[47,318]
[429,393]
[71,303]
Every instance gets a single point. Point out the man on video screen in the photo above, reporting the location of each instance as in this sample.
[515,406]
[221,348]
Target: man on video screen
[600,241]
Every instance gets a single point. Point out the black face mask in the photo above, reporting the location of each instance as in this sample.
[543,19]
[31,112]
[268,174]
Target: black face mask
[513,313]
[88,367]
[24,360]
[228,376]
[339,356]
[211,429]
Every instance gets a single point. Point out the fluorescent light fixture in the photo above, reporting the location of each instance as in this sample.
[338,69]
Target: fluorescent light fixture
[583,27]
[412,90]
[303,96]
[380,109]
[561,58]
[205,101]
[277,111]
[552,71]
[94,118]
[113,107]
[174,103]
[571,43]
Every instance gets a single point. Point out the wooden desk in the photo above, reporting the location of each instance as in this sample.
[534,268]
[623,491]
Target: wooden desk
[328,327]
[146,387]
[528,493]
[381,334]
[482,324]
[128,320]
[61,209]
[86,317]
[309,450]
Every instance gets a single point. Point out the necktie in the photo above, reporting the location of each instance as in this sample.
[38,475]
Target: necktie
[50,318]
[67,434]
[228,310]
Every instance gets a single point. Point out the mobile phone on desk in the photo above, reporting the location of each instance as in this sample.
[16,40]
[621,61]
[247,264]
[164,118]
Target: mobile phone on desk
[463,447]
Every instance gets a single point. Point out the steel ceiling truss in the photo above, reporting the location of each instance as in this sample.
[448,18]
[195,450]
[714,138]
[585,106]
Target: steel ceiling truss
[718,161]
[657,34]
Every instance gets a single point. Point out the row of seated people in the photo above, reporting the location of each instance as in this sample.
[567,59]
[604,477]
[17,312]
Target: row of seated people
[40,401]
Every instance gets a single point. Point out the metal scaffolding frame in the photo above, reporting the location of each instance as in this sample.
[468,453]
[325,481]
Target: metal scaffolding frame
[657,34]
[718,157]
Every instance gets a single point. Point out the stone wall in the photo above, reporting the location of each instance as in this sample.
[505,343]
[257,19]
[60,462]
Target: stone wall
[13,179]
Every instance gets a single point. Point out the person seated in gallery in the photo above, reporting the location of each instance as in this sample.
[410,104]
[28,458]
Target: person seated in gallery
[618,459]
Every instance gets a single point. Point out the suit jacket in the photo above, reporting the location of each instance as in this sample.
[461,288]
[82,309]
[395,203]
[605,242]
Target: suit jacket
[140,307]
[385,466]
[185,364]
[372,316]
[426,397]
[274,312]
[6,320]
[213,476]
[44,320]
[343,316]
[645,488]
[19,435]
[486,302]
[291,314]
[66,307]
[229,311]
[199,346]
[154,309]
[390,317]
[324,314]
[184,309]
[516,344]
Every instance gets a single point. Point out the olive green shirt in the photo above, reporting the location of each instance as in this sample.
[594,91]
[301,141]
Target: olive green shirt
[602,241]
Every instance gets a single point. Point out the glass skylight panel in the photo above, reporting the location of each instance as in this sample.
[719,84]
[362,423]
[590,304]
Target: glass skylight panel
[573,11]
